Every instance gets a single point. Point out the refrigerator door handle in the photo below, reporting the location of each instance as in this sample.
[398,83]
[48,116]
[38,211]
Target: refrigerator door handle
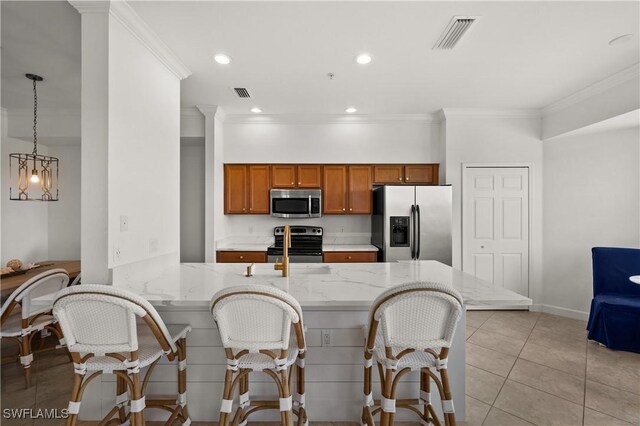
[412,236]
[418,232]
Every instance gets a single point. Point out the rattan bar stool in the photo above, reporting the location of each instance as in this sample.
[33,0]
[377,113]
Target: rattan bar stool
[33,317]
[410,328]
[255,327]
[110,330]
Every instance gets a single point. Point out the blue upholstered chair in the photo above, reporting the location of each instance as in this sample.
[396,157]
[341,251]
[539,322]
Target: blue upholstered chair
[614,320]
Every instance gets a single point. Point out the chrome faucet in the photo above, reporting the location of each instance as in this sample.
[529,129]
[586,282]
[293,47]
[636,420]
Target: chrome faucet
[286,245]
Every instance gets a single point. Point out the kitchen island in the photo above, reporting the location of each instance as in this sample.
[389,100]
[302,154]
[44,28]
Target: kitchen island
[335,299]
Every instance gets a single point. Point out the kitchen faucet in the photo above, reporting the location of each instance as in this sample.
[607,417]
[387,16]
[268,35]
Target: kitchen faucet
[286,245]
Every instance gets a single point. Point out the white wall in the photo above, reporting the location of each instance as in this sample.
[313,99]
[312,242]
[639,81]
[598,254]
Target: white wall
[192,203]
[144,151]
[64,215]
[24,223]
[494,139]
[591,198]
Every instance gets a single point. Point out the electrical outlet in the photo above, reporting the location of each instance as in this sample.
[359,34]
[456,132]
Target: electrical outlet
[326,338]
[124,223]
[116,254]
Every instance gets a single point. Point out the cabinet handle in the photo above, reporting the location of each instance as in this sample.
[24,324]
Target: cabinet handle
[400,178]
[349,257]
[241,257]
[244,210]
[350,209]
[298,183]
[291,183]
[343,209]
[407,179]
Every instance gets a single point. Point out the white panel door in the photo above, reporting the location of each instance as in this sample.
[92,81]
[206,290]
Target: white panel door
[495,226]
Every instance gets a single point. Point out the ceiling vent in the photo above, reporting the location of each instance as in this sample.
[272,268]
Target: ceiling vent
[241,92]
[458,26]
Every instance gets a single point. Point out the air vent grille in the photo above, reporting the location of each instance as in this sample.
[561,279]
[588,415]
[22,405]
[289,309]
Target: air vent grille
[242,92]
[458,26]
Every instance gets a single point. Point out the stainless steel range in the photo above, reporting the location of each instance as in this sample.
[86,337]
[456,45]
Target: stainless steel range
[306,244]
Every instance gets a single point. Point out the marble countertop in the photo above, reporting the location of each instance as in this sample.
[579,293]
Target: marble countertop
[325,285]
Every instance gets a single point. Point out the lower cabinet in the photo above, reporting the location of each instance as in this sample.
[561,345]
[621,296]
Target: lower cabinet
[349,256]
[241,256]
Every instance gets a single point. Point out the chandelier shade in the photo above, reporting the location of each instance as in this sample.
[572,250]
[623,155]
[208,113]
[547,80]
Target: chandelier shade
[33,177]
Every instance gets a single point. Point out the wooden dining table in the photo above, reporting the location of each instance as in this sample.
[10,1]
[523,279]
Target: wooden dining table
[9,284]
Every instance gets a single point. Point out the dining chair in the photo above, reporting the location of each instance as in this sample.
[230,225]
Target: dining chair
[110,330]
[22,317]
[255,324]
[411,327]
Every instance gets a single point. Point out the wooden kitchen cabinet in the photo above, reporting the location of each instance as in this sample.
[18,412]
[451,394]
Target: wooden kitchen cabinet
[309,176]
[360,193]
[259,186]
[241,257]
[246,189]
[349,256]
[283,176]
[335,194]
[235,189]
[388,173]
[421,173]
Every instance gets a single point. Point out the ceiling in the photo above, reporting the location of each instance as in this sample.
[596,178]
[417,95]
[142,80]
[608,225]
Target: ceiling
[518,55]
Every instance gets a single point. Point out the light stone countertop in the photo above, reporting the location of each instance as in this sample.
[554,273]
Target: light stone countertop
[263,247]
[325,285]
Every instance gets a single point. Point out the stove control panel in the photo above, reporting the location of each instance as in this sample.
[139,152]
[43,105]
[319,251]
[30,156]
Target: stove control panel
[315,231]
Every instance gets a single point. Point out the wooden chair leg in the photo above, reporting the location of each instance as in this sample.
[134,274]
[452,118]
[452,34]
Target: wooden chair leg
[26,358]
[385,417]
[450,417]
[366,410]
[302,410]
[75,398]
[182,379]
[287,416]
[121,395]
[226,395]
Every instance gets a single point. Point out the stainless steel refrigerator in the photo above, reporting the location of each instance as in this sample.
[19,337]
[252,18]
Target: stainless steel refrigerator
[412,222]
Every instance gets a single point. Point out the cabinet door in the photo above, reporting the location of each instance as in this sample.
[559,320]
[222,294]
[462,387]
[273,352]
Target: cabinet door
[235,189]
[283,176]
[348,256]
[360,198]
[259,185]
[421,173]
[392,173]
[335,190]
[309,176]
[241,257]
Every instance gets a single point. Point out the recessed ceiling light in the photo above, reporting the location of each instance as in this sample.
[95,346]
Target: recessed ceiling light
[621,40]
[364,58]
[256,110]
[222,59]
[350,110]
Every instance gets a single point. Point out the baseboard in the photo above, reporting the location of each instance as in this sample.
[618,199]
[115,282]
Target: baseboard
[565,312]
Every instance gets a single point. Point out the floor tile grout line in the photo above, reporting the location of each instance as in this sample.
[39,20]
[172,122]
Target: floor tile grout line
[506,412]
[514,363]
[485,416]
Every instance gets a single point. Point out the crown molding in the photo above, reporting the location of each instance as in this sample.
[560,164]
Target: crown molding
[90,6]
[214,111]
[490,112]
[633,72]
[124,13]
[327,118]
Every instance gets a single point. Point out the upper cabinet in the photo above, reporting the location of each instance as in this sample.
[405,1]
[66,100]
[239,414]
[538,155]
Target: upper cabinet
[292,176]
[235,189]
[283,176]
[246,189]
[360,195]
[259,186]
[347,189]
[309,176]
[335,195]
[410,173]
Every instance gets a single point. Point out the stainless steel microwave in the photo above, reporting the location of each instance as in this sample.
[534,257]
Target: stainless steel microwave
[296,203]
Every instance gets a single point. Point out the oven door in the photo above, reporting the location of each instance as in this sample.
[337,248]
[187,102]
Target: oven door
[295,203]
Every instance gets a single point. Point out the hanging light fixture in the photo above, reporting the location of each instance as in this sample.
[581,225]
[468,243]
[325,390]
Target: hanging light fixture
[33,177]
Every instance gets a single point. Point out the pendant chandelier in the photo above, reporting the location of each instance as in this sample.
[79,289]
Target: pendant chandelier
[33,177]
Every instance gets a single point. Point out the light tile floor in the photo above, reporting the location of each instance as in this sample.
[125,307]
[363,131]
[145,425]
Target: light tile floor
[523,368]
